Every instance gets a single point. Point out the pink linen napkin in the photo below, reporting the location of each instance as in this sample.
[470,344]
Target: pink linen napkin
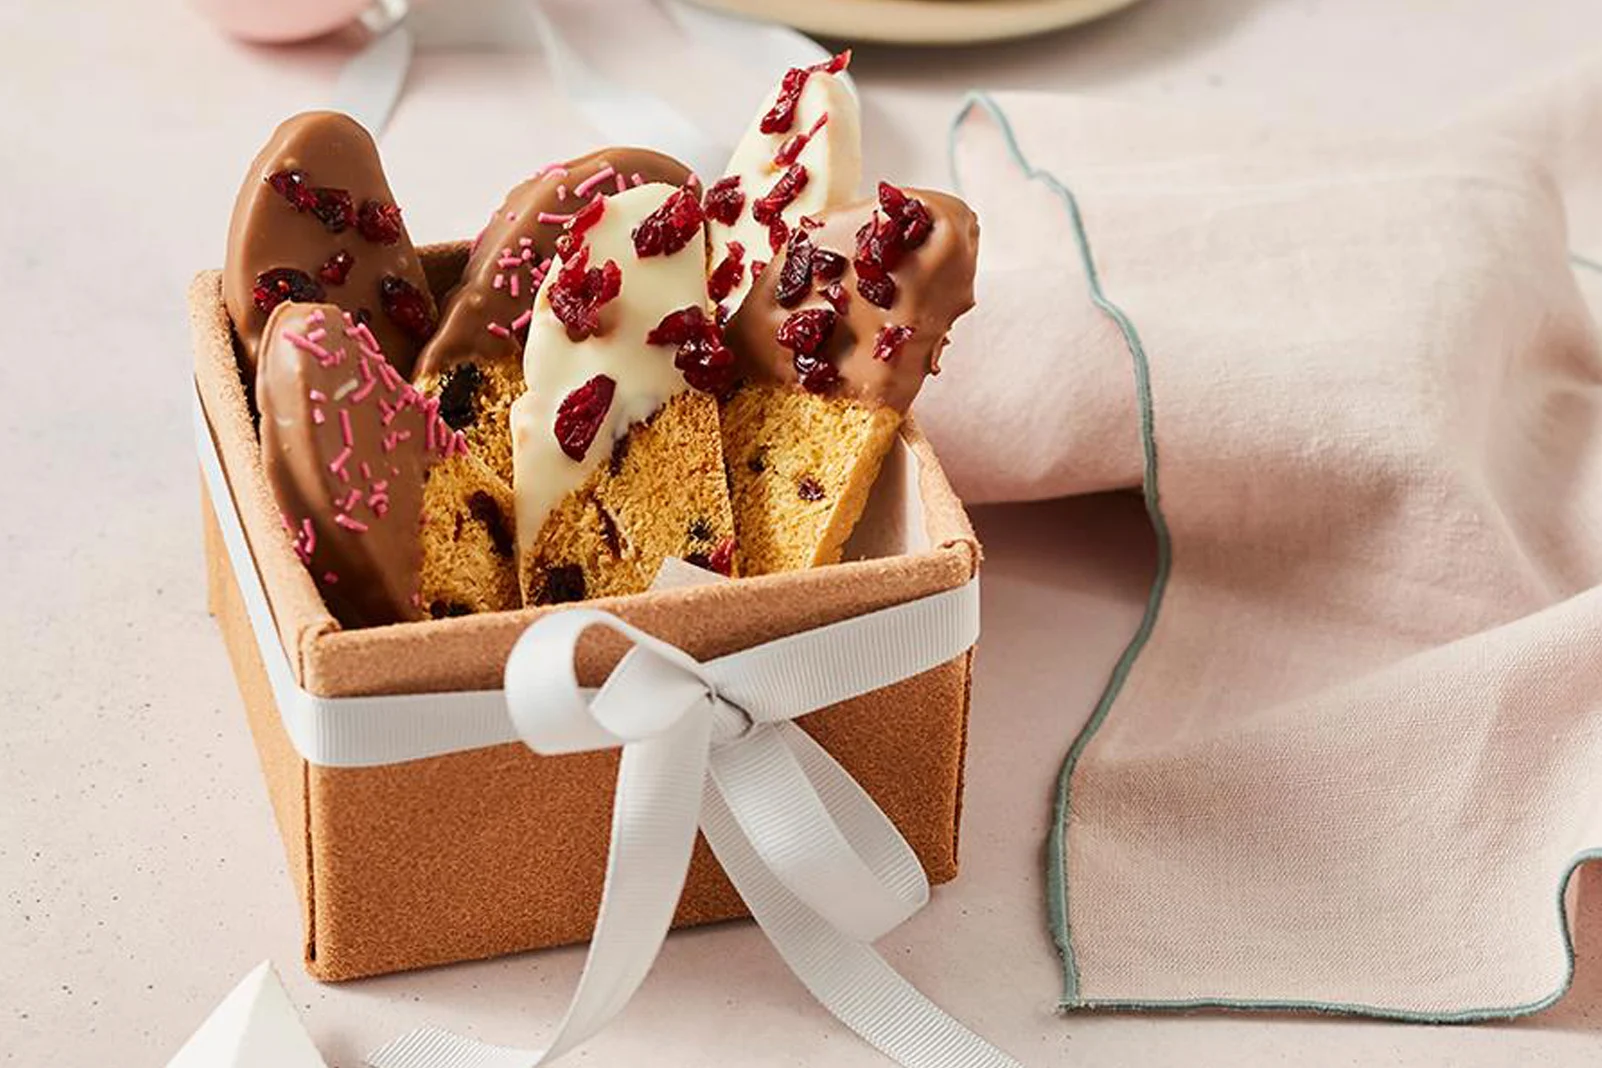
[1353,756]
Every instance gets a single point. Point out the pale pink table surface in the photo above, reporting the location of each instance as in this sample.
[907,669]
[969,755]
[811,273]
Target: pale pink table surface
[140,869]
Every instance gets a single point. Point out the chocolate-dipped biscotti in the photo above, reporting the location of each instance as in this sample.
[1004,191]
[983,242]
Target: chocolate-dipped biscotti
[474,361]
[834,343]
[315,221]
[616,448]
[388,508]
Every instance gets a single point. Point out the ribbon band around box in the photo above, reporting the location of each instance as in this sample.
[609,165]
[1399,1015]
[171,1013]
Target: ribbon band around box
[708,745]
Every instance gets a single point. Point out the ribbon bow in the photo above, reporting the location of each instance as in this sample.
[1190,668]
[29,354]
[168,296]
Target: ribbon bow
[822,869]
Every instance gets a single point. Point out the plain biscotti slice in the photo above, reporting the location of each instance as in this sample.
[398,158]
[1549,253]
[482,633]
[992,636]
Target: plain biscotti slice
[474,361]
[387,507]
[617,460]
[833,344]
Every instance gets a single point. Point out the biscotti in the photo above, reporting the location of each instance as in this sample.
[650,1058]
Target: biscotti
[387,507]
[315,221]
[834,343]
[617,457]
[474,361]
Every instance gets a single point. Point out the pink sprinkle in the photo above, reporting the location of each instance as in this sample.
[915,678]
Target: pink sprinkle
[508,261]
[393,469]
[561,192]
[387,413]
[636,179]
[350,524]
[317,395]
[391,441]
[379,503]
[370,380]
[344,426]
[500,280]
[317,335]
[527,255]
[511,216]
[317,416]
[622,184]
[525,242]
[330,578]
[352,499]
[500,331]
[511,285]
[364,335]
[337,464]
[553,217]
[391,377]
[693,179]
[367,470]
[316,316]
[306,344]
[584,187]
[522,320]
[308,534]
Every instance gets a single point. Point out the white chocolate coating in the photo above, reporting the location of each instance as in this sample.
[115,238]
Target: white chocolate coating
[554,365]
[833,159]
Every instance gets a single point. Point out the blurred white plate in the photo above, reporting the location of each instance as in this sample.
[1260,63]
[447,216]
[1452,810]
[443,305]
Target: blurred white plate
[922,21]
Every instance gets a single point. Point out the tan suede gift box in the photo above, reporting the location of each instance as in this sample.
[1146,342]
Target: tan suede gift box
[495,850]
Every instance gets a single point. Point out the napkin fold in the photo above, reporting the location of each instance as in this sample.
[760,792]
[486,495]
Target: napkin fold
[1353,756]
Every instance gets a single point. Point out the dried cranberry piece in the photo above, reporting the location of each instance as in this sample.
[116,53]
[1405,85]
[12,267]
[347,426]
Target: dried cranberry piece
[572,236]
[579,417]
[293,187]
[707,363]
[334,209]
[911,216]
[274,287]
[875,285]
[757,267]
[336,268]
[809,489]
[888,344]
[767,208]
[837,297]
[406,307]
[670,227]
[816,374]
[721,282]
[724,200]
[795,277]
[722,558]
[806,331]
[781,116]
[379,223]
[778,234]
[797,143]
[579,292]
[563,583]
[827,265]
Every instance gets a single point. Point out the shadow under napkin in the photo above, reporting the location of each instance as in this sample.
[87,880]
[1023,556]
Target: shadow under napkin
[1354,763]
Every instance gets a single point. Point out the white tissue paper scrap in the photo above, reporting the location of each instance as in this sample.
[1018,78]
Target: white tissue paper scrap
[256,1026]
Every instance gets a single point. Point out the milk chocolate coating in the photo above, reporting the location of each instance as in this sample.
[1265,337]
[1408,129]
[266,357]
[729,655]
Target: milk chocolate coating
[470,308]
[266,231]
[375,572]
[934,285]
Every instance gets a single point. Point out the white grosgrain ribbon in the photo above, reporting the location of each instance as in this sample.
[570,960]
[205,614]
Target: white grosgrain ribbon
[822,869]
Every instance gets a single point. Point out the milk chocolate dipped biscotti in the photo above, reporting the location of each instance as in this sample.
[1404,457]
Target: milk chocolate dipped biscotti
[315,221]
[834,343]
[474,361]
